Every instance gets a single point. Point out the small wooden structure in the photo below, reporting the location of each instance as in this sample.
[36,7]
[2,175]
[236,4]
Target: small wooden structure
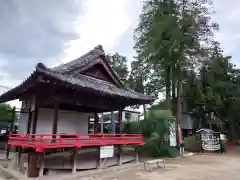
[210,140]
[63,104]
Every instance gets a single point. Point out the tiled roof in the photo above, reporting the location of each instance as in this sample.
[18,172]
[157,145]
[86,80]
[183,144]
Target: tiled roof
[81,61]
[64,74]
[97,55]
[92,83]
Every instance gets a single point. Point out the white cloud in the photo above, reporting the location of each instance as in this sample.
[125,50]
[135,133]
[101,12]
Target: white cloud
[111,24]
[104,22]
[227,15]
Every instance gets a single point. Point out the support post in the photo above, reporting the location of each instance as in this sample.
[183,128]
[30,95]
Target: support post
[179,114]
[32,165]
[120,120]
[113,124]
[7,147]
[101,121]
[99,157]
[137,154]
[55,121]
[120,155]
[41,164]
[35,118]
[29,122]
[96,120]
[21,161]
[74,160]
[13,118]
[17,156]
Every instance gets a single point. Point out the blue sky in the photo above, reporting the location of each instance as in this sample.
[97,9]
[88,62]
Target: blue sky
[58,31]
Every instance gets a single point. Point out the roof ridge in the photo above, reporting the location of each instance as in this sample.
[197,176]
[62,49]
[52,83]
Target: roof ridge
[89,56]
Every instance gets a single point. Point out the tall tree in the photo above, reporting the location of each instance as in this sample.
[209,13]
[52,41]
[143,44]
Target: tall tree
[169,35]
[119,65]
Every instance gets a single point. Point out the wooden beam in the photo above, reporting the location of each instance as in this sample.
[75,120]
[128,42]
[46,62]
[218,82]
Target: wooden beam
[100,105]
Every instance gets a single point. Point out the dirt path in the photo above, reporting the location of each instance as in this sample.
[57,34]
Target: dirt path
[199,167]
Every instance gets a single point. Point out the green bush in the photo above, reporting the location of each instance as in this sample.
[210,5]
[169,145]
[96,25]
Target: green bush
[223,146]
[131,127]
[192,143]
[155,129]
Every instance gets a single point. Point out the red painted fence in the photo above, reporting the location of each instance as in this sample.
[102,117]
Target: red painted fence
[47,141]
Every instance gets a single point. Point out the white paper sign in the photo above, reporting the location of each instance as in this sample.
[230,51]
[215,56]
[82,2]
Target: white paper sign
[106,151]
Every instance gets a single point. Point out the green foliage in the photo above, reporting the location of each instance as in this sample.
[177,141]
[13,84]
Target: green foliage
[119,65]
[6,113]
[224,146]
[156,129]
[192,143]
[174,43]
[131,127]
[169,41]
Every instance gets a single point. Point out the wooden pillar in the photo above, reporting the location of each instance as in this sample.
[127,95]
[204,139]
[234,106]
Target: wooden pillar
[120,129]
[32,165]
[96,121]
[13,118]
[17,158]
[55,120]
[21,162]
[74,160]
[29,122]
[99,157]
[102,127]
[137,154]
[35,119]
[120,120]
[113,124]
[41,164]
[7,147]
[119,155]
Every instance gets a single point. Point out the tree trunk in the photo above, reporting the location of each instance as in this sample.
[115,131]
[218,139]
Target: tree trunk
[168,87]
[179,111]
[200,123]
[174,99]
[210,120]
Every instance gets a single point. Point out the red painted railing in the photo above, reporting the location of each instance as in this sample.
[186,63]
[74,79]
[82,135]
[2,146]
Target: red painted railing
[47,141]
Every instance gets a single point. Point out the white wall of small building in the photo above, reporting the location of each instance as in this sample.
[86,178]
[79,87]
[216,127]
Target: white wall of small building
[68,122]
[134,115]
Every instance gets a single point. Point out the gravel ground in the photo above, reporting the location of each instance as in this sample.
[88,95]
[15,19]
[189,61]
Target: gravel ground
[198,167]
